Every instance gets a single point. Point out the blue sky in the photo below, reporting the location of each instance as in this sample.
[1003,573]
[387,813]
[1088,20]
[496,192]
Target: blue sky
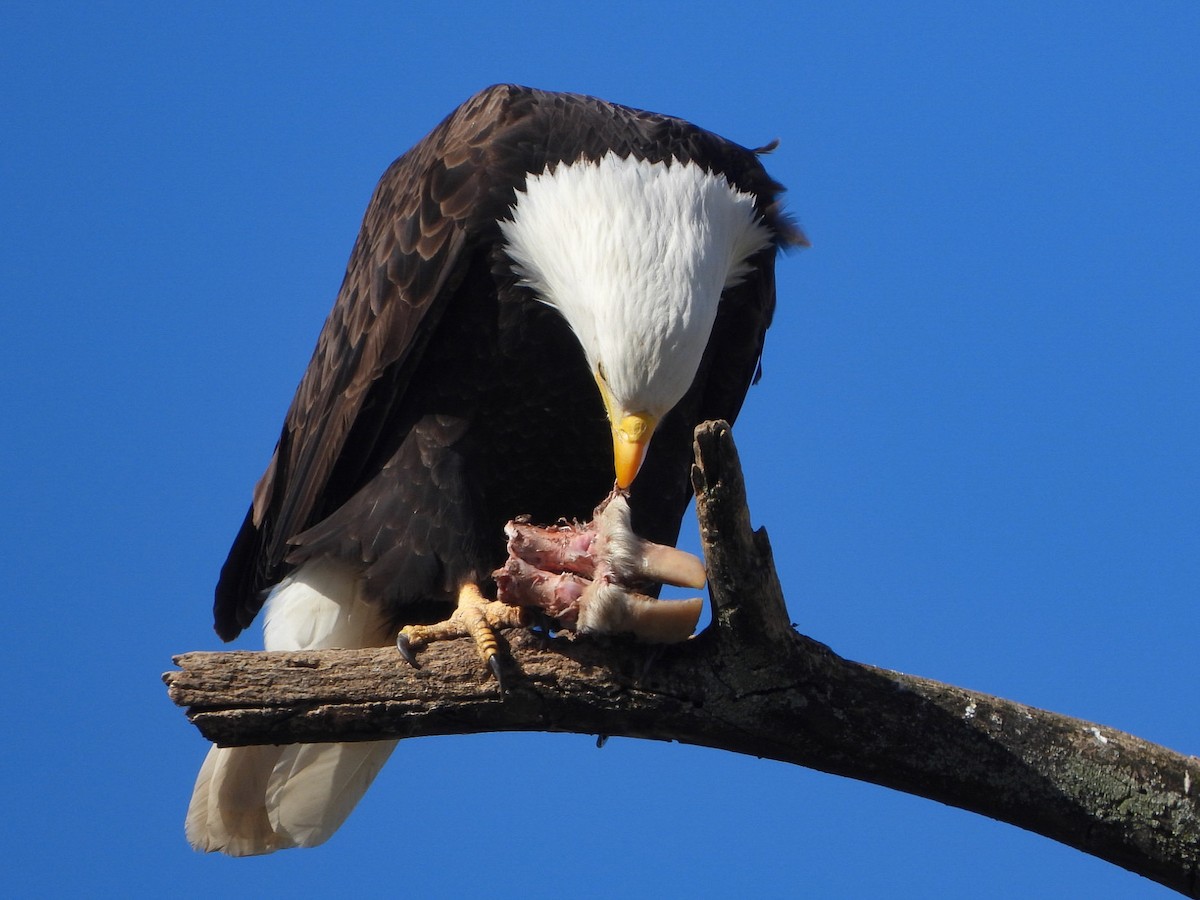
[974,446]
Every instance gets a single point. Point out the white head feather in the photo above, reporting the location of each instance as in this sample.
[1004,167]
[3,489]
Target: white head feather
[635,255]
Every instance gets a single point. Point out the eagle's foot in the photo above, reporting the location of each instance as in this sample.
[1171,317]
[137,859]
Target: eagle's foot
[587,576]
[475,616]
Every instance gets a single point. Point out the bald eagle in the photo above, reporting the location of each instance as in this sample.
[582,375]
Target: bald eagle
[540,286]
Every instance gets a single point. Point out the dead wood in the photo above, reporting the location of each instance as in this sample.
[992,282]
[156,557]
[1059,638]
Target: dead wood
[748,684]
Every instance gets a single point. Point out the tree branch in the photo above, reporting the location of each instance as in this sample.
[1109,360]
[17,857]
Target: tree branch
[750,684]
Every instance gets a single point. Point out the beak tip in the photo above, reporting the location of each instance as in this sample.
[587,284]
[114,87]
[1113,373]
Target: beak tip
[631,438]
[627,461]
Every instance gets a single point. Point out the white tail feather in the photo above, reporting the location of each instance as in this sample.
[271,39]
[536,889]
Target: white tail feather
[320,607]
[253,800]
[227,811]
[315,786]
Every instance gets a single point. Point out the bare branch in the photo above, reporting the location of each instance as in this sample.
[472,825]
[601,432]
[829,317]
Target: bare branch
[748,684]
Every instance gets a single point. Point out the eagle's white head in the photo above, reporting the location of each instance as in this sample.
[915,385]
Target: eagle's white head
[635,255]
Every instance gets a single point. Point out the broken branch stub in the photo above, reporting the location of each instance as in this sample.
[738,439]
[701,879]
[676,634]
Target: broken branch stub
[743,586]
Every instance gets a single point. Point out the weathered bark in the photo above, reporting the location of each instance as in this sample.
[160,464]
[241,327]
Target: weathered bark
[749,683]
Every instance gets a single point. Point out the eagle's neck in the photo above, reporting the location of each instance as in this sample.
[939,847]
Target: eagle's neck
[635,255]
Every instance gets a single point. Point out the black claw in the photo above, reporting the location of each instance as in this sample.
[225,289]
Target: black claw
[405,648]
[494,665]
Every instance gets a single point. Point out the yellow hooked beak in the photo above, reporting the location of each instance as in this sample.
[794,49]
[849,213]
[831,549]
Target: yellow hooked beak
[631,433]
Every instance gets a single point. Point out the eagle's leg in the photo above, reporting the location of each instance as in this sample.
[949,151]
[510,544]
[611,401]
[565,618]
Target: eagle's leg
[475,616]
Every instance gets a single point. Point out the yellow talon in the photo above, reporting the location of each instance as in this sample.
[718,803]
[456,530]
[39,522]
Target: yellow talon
[475,616]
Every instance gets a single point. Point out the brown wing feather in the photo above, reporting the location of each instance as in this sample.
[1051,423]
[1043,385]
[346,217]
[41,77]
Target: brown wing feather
[416,227]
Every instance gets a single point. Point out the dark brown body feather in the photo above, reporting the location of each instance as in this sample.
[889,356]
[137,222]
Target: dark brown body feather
[443,399]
